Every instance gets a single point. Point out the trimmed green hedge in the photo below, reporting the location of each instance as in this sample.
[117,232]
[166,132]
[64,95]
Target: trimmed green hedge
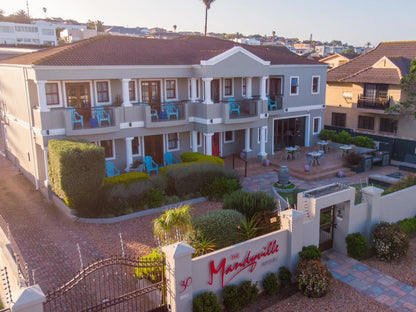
[198,157]
[249,203]
[126,179]
[75,166]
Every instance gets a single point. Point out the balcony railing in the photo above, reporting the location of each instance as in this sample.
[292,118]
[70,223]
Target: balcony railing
[243,109]
[373,103]
[93,117]
[277,103]
[168,111]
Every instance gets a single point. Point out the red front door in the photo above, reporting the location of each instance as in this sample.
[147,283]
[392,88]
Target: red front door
[216,144]
[153,146]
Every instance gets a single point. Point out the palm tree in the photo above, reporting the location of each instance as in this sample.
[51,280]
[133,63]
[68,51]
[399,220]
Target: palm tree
[174,28]
[274,34]
[44,11]
[174,223]
[207,7]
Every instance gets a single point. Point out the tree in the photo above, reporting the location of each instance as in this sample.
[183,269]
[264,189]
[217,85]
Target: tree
[274,34]
[100,25]
[90,24]
[172,225]
[408,85]
[207,7]
[44,11]
[19,17]
[174,28]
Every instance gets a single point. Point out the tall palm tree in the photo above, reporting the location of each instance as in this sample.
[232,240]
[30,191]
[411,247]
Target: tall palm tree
[207,7]
[44,11]
[174,28]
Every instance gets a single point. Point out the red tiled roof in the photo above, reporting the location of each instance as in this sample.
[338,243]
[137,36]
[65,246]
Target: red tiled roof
[375,75]
[123,50]
[399,49]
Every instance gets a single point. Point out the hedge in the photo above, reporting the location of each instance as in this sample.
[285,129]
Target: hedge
[126,179]
[198,157]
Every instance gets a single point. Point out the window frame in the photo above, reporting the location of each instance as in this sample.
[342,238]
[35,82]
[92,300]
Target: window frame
[391,121]
[224,87]
[337,118]
[198,88]
[175,90]
[319,125]
[139,143]
[297,86]
[113,147]
[318,87]
[177,148]
[135,99]
[243,86]
[59,90]
[97,92]
[232,135]
[360,122]
[199,138]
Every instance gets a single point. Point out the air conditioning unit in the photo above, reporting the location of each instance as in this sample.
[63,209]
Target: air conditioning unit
[347,95]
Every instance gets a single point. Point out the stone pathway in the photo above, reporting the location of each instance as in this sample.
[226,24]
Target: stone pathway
[371,282]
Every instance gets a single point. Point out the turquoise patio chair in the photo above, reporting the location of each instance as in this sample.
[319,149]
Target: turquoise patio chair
[111,170]
[171,110]
[76,118]
[153,111]
[271,104]
[150,165]
[102,115]
[234,107]
[170,160]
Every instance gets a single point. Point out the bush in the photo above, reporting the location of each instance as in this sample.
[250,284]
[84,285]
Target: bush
[219,226]
[248,293]
[390,241]
[343,137]
[249,203]
[310,252]
[154,198]
[363,141]
[326,134]
[264,225]
[206,302]
[408,181]
[408,225]
[357,246]
[285,277]
[127,179]
[313,278]
[352,159]
[217,189]
[231,298]
[271,284]
[198,157]
[151,273]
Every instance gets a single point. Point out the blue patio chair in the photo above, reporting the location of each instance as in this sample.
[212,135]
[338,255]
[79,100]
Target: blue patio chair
[150,164]
[271,104]
[102,115]
[153,111]
[171,110]
[234,107]
[170,160]
[76,118]
[111,170]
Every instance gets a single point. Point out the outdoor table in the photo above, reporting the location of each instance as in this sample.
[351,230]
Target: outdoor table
[291,150]
[345,149]
[315,156]
[323,145]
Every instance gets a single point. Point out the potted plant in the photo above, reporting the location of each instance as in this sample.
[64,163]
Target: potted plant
[137,165]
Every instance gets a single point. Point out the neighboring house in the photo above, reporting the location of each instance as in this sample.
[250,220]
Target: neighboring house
[325,50]
[336,59]
[37,33]
[359,91]
[6,52]
[141,97]
[125,31]
[74,35]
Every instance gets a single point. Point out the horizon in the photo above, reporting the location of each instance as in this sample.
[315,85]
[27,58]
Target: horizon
[299,19]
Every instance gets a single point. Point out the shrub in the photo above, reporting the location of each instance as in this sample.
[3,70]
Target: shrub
[352,159]
[219,226]
[248,293]
[285,277]
[357,246]
[326,134]
[271,284]
[248,228]
[173,224]
[390,241]
[198,157]
[231,298]
[217,189]
[154,198]
[363,141]
[310,252]
[248,203]
[206,302]
[127,179]
[265,222]
[343,137]
[313,278]
[408,181]
[151,273]
[408,225]
[201,244]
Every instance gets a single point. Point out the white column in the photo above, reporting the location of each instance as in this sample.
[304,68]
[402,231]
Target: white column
[193,90]
[129,153]
[262,141]
[247,141]
[43,105]
[126,94]
[263,88]
[208,143]
[207,87]
[45,159]
[194,141]
[249,87]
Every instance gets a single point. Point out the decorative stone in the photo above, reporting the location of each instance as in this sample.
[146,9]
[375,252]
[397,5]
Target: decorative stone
[340,173]
[307,168]
[283,175]
[242,155]
[266,162]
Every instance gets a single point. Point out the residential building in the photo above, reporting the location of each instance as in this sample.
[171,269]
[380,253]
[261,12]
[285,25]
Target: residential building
[136,97]
[359,92]
[337,59]
[74,35]
[325,50]
[38,33]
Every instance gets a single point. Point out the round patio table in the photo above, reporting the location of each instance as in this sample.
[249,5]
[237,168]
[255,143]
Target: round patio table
[345,149]
[291,150]
[323,145]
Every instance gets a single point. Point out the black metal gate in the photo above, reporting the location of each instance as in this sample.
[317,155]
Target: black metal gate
[326,228]
[116,284]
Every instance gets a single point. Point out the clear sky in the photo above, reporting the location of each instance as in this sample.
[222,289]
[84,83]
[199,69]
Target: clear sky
[355,21]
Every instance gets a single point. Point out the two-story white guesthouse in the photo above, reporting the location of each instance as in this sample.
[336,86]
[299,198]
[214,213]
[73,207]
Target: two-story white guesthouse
[137,97]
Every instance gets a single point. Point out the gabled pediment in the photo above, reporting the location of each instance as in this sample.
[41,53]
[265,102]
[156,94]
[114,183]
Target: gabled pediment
[231,52]
[384,62]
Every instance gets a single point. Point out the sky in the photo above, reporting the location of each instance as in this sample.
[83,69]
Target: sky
[355,22]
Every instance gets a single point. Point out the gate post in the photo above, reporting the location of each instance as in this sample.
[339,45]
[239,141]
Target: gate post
[29,299]
[372,196]
[179,276]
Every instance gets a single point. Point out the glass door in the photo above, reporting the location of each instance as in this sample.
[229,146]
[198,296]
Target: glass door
[78,96]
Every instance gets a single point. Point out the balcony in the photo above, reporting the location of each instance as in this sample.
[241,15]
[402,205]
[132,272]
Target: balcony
[380,103]
[241,111]
[278,99]
[166,114]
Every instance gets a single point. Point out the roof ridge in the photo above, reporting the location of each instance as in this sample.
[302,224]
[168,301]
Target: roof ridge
[356,73]
[402,41]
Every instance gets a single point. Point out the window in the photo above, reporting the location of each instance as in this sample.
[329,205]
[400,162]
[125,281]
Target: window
[48,32]
[170,89]
[173,142]
[108,148]
[52,93]
[339,120]
[198,139]
[388,125]
[198,84]
[259,133]
[315,84]
[244,86]
[366,122]
[294,85]
[135,146]
[6,29]
[132,90]
[102,92]
[372,90]
[316,125]
[228,136]
[228,87]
